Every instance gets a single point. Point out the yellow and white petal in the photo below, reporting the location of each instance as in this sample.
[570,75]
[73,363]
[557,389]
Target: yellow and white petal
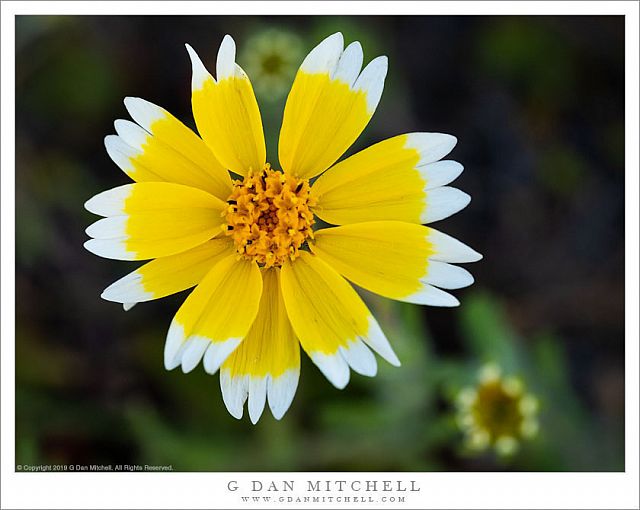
[432,296]
[257,398]
[181,158]
[325,56]
[194,350]
[447,276]
[431,147]
[390,258]
[329,105]
[215,317]
[124,156]
[440,173]
[360,358]
[266,365]
[370,82]
[331,320]
[349,64]
[226,111]
[164,149]
[448,249]
[282,389]
[234,392]
[152,219]
[149,196]
[397,179]
[443,202]
[333,365]
[167,275]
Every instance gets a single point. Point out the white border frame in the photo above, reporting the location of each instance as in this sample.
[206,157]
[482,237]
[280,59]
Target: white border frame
[208,490]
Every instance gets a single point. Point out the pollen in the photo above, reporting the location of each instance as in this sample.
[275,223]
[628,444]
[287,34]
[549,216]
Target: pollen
[268,216]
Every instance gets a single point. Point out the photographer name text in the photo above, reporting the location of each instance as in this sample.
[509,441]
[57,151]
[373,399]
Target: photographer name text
[258,486]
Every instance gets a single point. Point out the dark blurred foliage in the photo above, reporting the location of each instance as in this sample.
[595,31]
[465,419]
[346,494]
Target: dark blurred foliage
[537,105]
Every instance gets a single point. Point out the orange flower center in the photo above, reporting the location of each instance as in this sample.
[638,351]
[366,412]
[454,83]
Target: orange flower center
[269,216]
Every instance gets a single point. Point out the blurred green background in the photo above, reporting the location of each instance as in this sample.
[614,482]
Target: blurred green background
[537,104]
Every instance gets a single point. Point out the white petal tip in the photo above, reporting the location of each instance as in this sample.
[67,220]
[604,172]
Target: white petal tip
[432,296]
[334,367]
[377,340]
[109,229]
[389,355]
[255,415]
[144,112]
[235,391]
[431,146]
[324,57]
[443,202]
[193,351]
[200,74]
[447,276]
[225,62]
[360,358]
[120,153]
[109,249]
[349,65]
[128,290]
[336,39]
[451,302]
[339,384]
[88,205]
[257,397]
[449,140]
[392,359]
[118,124]
[281,391]
[173,345]
[235,412]
[170,365]
[439,173]
[449,249]
[108,203]
[217,353]
[371,81]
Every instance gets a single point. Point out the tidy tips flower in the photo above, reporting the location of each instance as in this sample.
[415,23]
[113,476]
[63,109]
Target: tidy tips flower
[213,213]
[497,412]
[271,58]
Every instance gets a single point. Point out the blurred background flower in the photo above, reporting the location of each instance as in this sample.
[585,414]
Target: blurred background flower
[271,58]
[496,412]
[537,104]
